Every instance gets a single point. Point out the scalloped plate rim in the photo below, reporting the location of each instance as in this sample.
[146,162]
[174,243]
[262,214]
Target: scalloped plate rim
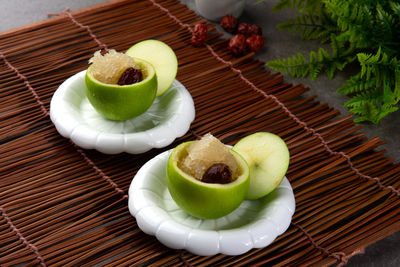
[180,119]
[151,224]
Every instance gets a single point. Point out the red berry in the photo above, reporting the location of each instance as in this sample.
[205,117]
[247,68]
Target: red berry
[254,30]
[196,42]
[249,29]
[243,28]
[229,23]
[255,42]
[237,45]
[200,31]
[199,36]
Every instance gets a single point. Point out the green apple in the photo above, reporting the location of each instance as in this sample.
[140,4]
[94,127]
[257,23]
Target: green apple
[122,102]
[268,158]
[205,200]
[162,57]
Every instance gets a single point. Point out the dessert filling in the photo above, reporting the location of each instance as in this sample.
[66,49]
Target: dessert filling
[210,161]
[115,68]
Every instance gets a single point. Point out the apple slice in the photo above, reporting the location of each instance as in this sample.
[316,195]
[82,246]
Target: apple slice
[162,57]
[268,159]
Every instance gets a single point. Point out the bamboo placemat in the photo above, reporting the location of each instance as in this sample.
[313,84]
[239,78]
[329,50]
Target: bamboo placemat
[61,205]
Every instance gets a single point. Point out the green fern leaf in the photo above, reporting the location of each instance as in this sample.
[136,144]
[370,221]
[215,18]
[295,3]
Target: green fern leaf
[356,84]
[370,112]
[389,97]
[282,4]
[287,26]
[372,95]
[397,84]
[363,31]
[395,8]
[295,66]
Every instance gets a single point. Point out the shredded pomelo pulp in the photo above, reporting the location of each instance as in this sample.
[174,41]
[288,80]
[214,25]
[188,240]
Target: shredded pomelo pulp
[109,67]
[205,152]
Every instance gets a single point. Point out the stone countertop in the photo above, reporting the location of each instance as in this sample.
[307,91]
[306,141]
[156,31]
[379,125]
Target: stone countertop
[279,44]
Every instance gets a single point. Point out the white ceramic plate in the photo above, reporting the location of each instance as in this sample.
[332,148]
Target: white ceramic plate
[254,224]
[169,117]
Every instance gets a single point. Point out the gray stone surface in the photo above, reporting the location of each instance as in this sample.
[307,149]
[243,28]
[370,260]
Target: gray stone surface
[17,13]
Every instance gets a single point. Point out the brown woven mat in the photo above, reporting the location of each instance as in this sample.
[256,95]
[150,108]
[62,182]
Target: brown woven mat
[60,205]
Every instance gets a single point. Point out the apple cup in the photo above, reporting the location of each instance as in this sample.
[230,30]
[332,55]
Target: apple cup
[205,200]
[122,102]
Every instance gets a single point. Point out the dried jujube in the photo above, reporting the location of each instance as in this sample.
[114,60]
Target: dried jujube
[243,28]
[199,36]
[249,29]
[218,173]
[237,45]
[255,43]
[254,29]
[229,23]
[130,76]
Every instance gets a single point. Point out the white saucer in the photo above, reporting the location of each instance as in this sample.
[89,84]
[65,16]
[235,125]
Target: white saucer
[169,117]
[254,224]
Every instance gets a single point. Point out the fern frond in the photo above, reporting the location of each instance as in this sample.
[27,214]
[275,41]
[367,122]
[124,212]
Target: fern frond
[397,84]
[305,6]
[367,111]
[371,112]
[311,22]
[378,65]
[282,4]
[395,6]
[373,95]
[367,31]
[374,104]
[308,26]
[356,84]
[295,66]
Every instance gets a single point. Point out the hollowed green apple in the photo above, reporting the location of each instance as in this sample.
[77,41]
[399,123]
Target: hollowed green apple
[122,102]
[268,159]
[162,57]
[205,200]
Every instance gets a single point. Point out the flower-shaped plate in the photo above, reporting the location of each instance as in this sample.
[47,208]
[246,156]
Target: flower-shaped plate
[169,117]
[254,224]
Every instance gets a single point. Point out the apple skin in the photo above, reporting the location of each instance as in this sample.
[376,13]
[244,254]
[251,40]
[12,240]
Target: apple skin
[162,57]
[204,200]
[116,102]
[268,159]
